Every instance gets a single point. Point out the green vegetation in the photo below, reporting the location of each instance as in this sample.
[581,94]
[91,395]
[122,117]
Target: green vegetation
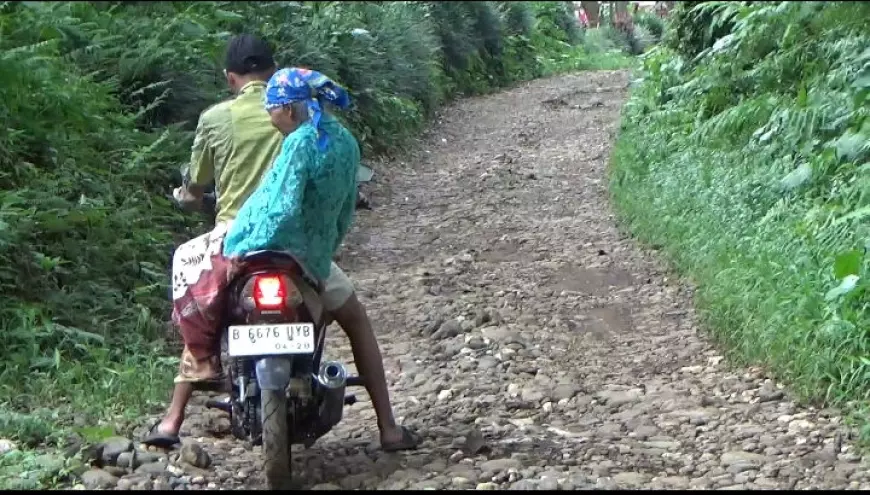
[744,156]
[649,28]
[98,101]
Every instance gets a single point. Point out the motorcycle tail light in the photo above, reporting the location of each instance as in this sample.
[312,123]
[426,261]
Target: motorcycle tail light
[270,292]
[268,298]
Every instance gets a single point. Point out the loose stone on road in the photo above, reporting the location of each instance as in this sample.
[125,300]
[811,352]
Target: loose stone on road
[531,343]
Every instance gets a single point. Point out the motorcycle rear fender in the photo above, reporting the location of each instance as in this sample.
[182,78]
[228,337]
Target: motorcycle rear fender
[273,373]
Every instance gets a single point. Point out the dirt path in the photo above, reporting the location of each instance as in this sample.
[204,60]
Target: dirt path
[529,341]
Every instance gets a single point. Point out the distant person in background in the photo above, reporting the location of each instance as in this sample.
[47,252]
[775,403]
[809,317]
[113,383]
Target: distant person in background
[582,17]
[661,9]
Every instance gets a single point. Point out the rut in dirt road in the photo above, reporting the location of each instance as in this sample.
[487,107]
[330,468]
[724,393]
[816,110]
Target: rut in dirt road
[532,344]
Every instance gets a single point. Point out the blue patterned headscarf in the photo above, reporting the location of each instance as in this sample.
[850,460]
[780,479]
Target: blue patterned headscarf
[294,84]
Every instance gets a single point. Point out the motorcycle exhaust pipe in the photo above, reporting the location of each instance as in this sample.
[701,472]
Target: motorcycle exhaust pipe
[333,378]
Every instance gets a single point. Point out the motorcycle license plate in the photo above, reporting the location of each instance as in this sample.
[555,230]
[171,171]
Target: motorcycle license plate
[263,340]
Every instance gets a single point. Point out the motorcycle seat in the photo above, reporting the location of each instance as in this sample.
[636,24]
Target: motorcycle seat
[282,259]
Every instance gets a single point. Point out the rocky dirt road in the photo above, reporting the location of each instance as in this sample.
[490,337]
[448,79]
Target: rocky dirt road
[528,340]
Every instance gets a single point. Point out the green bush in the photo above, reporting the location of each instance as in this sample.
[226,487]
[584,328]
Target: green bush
[556,20]
[627,41]
[98,101]
[521,58]
[651,22]
[75,172]
[470,34]
[696,26]
[519,18]
[750,170]
[561,15]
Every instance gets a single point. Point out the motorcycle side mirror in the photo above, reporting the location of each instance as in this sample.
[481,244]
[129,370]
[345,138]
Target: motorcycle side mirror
[364,173]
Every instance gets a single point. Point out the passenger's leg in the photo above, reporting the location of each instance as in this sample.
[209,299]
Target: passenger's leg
[199,361]
[165,433]
[340,300]
[199,303]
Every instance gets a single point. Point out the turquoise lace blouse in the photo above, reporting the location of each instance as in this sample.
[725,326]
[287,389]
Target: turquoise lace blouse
[305,202]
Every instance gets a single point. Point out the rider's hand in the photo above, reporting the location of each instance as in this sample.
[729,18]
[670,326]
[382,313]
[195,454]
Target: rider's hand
[187,200]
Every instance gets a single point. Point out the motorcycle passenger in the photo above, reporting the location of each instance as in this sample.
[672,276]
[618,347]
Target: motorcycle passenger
[286,180]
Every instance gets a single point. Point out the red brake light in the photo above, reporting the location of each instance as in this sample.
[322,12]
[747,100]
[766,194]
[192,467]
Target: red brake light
[269,291]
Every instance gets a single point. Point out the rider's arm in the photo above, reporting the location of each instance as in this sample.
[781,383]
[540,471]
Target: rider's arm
[200,172]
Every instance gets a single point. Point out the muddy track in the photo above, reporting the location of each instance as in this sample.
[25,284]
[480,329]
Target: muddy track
[528,340]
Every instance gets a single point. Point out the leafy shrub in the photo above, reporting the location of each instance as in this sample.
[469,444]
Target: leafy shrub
[696,26]
[751,171]
[625,40]
[651,22]
[519,18]
[643,40]
[556,20]
[521,57]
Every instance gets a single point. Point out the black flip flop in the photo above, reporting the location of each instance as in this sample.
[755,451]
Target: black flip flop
[160,440]
[409,441]
[216,384]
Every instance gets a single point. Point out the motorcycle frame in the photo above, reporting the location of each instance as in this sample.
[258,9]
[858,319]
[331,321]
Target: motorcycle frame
[269,372]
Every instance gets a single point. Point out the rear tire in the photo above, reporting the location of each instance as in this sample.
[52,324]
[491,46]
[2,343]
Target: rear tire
[276,440]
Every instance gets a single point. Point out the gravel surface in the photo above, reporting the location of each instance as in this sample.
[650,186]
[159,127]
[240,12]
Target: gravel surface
[529,341]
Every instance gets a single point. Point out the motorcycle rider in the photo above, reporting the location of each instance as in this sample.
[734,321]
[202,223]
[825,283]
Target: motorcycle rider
[235,145]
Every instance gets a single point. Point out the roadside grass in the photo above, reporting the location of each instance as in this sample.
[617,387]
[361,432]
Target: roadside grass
[746,166]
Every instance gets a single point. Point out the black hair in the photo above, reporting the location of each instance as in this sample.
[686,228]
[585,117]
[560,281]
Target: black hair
[248,54]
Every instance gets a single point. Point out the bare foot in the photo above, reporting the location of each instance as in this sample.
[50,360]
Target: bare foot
[399,438]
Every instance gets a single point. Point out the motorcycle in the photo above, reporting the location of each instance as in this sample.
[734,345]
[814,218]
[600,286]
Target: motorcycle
[281,391]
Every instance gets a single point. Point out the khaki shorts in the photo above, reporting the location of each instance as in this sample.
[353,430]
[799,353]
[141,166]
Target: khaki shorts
[337,289]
